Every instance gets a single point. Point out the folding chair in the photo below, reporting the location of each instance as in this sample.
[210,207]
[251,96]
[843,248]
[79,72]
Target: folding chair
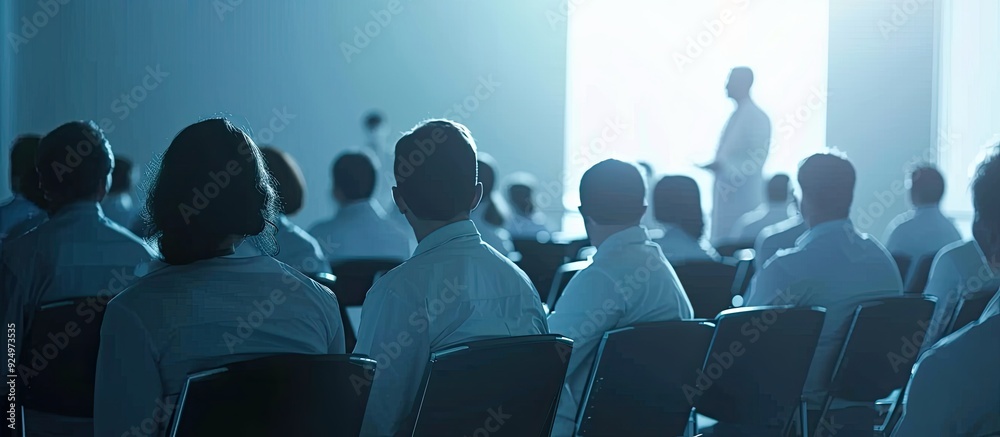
[917,281]
[293,394]
[506,386]
[563,274]
[540,260]
[708,285]
[903,264]
[970,308]
[355,277]
[641,379]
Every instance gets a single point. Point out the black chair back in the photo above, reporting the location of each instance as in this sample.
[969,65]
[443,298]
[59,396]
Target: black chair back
[540,261]
[563,274]
[289,395]
[61,350]
[640,376]
[731,247]
[903,263]
[504,386]
[708,285]
[745,269]
[757,364]
[917,281]
[970,308]
[355,277]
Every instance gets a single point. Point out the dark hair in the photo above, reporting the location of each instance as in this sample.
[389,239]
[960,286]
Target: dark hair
[521,198]
[677,201]
[488,177]
[777,188]
[827,180]
[927,185]
[212,183]
[23,153]
[436,169]
[985,191]
[354,175]
[290,185]
[74,161]
[613,192]
[373,119]
[121,176]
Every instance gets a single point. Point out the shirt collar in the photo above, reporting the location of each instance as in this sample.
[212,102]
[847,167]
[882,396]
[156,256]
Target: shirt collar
[620,239]
[825,228]
[446,234]
[360,207]
[927,209]
[85,207]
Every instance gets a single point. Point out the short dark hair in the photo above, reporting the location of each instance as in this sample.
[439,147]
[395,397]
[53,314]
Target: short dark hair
[121,176]
[290,185]
[23,153]
[436,169]
[927,185]
[677,201]
[373,119]
[613,192]
[986,191]
[354,175]
[777,188]
[827,180]
[74,161]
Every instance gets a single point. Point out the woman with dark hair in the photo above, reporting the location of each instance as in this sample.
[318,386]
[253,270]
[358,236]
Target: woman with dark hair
[295,246]
[677,207]
[488,215]
[217,296]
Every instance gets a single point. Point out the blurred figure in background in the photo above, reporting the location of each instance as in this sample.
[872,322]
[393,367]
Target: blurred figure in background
[779,194]
[923,230]
[488,216]
[525,222]
[360,229]
[119,205]
[295,246]
[677,208]
[23,182]
[649,218]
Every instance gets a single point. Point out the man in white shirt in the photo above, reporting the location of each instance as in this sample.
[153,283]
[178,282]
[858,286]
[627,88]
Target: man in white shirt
[295,246]
[454,289]
[775,210]
[360,230]
[781,235]
[629,282]
[76,253]
[924,230]
[832,265]
[20,209]
[742,152]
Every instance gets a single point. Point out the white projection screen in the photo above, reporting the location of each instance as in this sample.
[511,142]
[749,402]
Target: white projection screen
[646,81]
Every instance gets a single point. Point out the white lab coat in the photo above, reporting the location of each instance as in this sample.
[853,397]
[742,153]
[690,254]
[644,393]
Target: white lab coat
[742,152]
[832,266]
[299,249]
[680,248]
[920,232]
[750,224]
[361,230]
[608,294]
[454,289]
[958,269]
[781,235]
[182,319]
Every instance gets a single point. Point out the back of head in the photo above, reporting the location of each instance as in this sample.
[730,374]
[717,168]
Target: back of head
[121,176]
[985,192]
[354,176]
[827,183]
[373,120]
[778,189]
[23,153]
[677,202]
[212,185]
[926,186]
[740,81]
[290,185]
[613,192]
[436,170]
[74,163]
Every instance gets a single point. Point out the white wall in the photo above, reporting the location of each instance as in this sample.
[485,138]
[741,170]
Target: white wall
[254,59]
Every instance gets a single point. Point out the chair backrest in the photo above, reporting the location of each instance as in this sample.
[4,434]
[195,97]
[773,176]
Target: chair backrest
[881,346]
[540,261]
[637,385]
[708,285]
[563,274]
[61,351]
[917,281]
[290,394]
[903,263]
[970,308]
[757,365]
[355,277]
[503,386]
[745,269]
[731,247]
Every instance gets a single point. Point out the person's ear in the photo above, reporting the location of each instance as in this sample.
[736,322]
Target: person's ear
[477,196]
[397,198]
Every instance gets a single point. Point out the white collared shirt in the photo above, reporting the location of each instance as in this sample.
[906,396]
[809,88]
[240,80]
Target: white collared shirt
[680,248]
[958,269]
[361,230]
[832,266]
[629,282]
[299,249]
[454,289]
[181,319]
[750,224]
[920,232]
[781,235]
[955,386]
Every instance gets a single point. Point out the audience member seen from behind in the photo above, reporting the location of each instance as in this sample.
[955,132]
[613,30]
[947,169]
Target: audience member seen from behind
[677,208]
[612,203]
[295,247]
[21,208]
[119,206]
[187,315]
[482,293]
[952,390]
[525,222]
[488,216]
[832,266]
[360,230]
[76,253]
[777,209]
[924,230]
